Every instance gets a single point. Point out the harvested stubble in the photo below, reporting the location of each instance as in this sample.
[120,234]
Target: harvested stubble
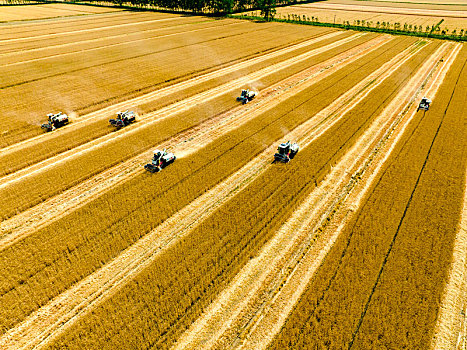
[42,11]
[116,74]
[67,139]
[26,30]
[204,262]
[78,244]
[24,193]
[381,284]
[46,45]
[451,5]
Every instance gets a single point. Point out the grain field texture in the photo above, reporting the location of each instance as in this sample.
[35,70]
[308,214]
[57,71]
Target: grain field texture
[357,242]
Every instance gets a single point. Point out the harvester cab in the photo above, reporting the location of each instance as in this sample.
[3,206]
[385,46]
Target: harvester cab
[160,160]
[55,121]
[123,119]
[424,104]
[286,151]
[246,96]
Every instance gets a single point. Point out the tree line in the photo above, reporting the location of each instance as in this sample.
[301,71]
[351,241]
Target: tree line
[221,7]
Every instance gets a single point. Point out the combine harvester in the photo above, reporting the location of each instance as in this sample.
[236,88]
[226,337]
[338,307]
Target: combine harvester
[159,161]
[286,152]
[246,96]
[123,119]
[424,104]
[55,121]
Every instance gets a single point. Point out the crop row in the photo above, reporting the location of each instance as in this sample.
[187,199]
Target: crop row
[67,139]
[204,262]
[76,245]
[21,50]
[381,284]
[89,81]
[26,192]
[22,13]
[35,29]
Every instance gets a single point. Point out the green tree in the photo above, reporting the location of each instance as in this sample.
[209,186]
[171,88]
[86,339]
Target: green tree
[267,8]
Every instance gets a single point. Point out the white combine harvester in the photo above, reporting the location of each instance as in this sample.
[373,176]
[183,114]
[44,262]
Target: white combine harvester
[246,96]
[55,121]
[160,160]
[286,152]
[424,104]
[123,119]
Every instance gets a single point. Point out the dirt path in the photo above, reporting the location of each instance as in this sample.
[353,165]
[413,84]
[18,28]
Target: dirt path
[450,329]
[107,112]
[274,307]
[25,223]
[166,112]
[59,314]
[245,299]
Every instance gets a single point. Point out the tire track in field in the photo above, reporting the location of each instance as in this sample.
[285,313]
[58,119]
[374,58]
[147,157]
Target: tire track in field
[116,44]
[164,113]
[242,303]
[46,323]
[280,297]
[48,36]
[27,222]
[166,91]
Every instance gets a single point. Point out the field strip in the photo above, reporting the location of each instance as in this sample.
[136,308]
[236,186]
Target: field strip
[21,225]
[87,41]
[88,30]
[169,111]
[450,329]
[281,297]
[160,93]
[57,20]
[116,44]
[71,304]
[219,320]
[391,10]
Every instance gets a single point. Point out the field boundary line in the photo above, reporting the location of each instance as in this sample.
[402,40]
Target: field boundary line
[165,91]
[271,321]
[164,113]
[21,225]
[136,257]
[228,309]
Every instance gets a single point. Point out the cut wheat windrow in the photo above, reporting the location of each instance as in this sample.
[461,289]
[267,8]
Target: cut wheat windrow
[227,232]
[88,82]
[423,157]
[353,240]
[211,168]
[138,256]
[76,164]
[259,315]
[53,209]
[161,94]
